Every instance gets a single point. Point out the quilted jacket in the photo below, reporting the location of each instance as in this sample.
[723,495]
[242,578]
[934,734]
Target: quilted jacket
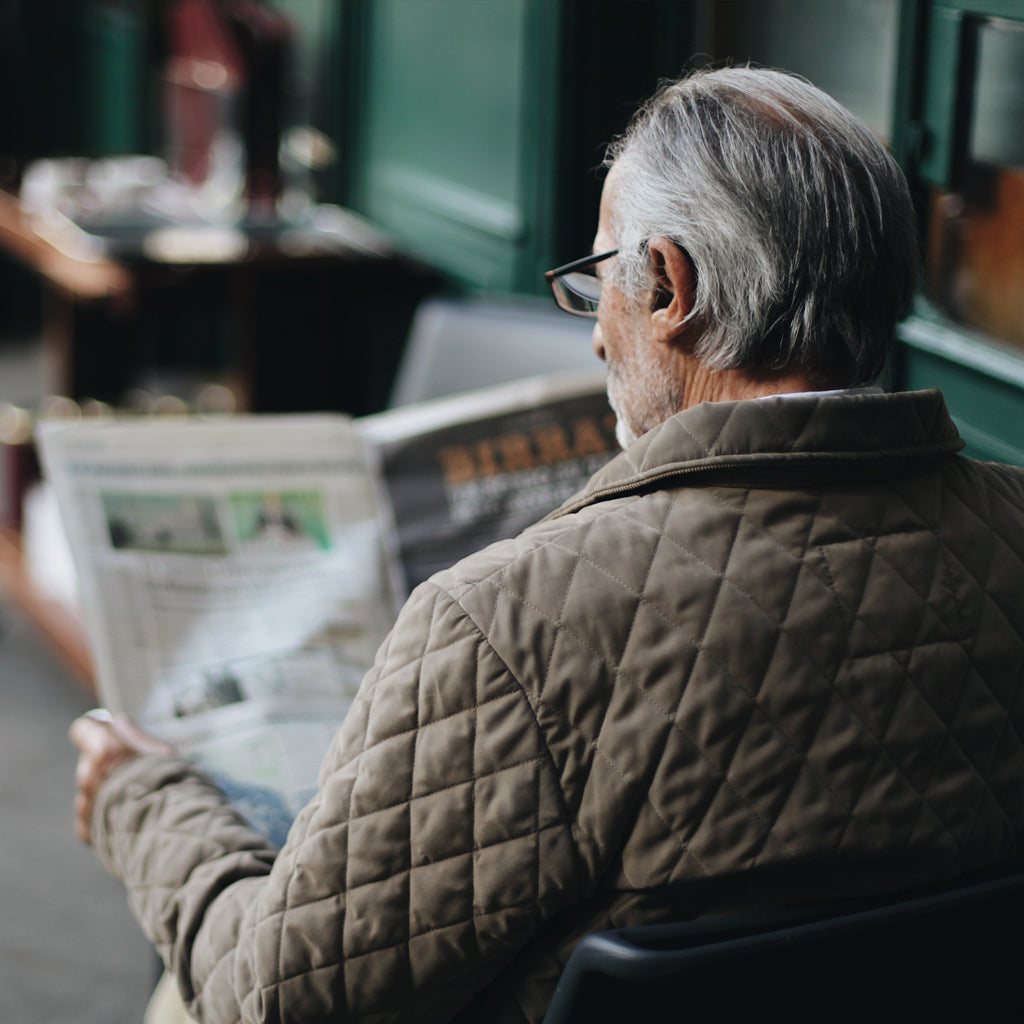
[773,652]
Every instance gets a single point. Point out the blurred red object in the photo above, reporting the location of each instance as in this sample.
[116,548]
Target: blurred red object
[225,76]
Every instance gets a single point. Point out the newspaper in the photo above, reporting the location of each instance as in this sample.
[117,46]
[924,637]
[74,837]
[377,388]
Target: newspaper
[231,578]
[236,577]
[462,472]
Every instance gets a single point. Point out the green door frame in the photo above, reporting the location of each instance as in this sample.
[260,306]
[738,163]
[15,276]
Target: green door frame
[983,380]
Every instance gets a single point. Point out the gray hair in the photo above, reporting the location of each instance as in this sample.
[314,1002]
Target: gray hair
[797,220]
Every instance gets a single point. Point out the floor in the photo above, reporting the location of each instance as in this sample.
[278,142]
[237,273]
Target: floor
[70,952]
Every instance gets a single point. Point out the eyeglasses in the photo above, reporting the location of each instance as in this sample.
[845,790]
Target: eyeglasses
[576,288]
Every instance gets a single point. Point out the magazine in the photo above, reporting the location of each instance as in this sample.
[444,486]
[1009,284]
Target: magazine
[236,576]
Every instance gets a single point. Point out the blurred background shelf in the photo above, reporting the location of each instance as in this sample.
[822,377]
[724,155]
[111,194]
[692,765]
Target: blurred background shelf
[290,317]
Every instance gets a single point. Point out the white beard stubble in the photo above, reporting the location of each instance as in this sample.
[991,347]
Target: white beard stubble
[643,392]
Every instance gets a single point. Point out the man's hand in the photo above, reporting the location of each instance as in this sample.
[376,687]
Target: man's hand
[105,741]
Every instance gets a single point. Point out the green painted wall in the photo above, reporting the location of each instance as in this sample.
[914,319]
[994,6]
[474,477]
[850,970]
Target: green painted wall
[983,386]
[450,146]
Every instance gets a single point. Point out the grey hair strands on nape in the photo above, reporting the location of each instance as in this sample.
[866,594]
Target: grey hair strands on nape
[797,220]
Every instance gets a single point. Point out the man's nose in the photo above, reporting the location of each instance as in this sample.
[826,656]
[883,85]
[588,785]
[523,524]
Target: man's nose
[597,340]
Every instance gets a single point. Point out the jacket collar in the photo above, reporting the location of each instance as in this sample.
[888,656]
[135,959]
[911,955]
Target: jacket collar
[872,430]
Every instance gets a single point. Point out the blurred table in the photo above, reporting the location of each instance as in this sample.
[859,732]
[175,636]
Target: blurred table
[304,317]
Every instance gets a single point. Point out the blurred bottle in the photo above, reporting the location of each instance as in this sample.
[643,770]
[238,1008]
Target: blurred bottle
[223,94]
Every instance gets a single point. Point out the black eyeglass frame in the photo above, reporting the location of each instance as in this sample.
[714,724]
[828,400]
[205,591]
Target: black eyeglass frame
[552,276]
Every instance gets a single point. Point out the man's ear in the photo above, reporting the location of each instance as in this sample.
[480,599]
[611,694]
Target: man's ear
[675,286]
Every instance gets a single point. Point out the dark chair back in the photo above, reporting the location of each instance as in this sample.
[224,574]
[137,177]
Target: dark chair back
[951,954]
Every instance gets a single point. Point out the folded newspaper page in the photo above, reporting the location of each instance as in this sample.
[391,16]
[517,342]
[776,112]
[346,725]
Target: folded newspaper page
[462,472]
[236,577]
[232,579]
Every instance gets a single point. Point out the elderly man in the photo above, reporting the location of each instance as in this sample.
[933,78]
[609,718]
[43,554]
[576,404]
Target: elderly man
[772,653]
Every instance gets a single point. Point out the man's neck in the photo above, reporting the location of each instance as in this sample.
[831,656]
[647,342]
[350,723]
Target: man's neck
[704,385]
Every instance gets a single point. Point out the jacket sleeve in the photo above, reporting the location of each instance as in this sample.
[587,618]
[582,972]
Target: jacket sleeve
[436,846]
